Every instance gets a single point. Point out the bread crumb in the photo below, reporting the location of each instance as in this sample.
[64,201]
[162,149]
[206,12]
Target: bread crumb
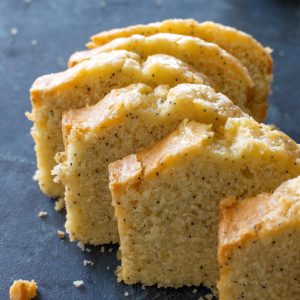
[42,214]
[201,298]
[107,267]
[88,250]
[61,234]
[281,53]
[194,291]
[209,296]
[81,245]
[35,176]
[110,250]
[102,249]
[59,204]
[14,31]
[23,290]
[78,283]
[87,262]
[33,43]
[126,294]
[143,287]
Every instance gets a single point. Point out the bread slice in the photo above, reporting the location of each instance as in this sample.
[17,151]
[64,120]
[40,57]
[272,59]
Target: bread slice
[86,84]
[250,52]
[167,196]
[259,245]
[229,75]
[124,121]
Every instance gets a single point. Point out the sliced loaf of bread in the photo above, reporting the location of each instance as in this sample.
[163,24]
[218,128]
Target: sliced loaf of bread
[259,245]
[228,74]
[123,122]
[87,84]
[167,196]
[250,52]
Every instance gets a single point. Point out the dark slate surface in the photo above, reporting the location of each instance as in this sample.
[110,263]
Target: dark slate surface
[29,247]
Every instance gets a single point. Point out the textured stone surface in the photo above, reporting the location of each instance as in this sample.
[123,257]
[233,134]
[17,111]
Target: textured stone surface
[47,32]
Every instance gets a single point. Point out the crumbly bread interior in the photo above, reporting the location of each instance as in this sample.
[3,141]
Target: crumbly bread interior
[249,51]
[229,75]
[87,84]
[259,244]
[123,122]
[167,196]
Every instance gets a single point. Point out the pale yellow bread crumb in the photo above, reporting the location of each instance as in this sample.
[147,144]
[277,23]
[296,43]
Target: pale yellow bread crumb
[23,290]
[78,283]
[59,204]
[123,122]
[166,197]
[264,232]
[256,58]
[61,234]
[42,214]
[228,74]
[87,84]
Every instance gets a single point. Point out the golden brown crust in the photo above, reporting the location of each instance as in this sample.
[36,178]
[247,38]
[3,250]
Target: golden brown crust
[188,135]
[51,82]
[227,73]
[241,45]
[241,221]
[127,170]
[150,161]
[23,290]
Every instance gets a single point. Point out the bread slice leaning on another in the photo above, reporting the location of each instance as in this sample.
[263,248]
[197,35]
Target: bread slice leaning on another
[228,74]
[123,122]
[87,84]
[259,246]
[167,196]
[249,51]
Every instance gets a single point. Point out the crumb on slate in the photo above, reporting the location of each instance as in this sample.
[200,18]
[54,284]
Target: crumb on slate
[87,262]
[33,43]
[61,234]
[42,214]
[102,249]
[35,176]
[14,31]
[78,283]
[81,245]
[23,290]
[194,291]
[126,294]
[59,204]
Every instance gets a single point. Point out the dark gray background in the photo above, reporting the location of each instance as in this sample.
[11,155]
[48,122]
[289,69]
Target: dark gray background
[29,247]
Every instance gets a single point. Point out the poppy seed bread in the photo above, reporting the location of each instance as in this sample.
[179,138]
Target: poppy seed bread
[167,196]
[250,52]
[123,122]
[259,246]
[228,74]
[87,84]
